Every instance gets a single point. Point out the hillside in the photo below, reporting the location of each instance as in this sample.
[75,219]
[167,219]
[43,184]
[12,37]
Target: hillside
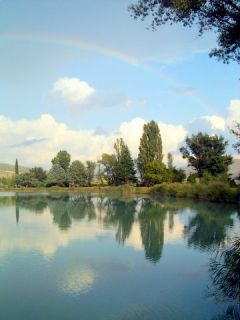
[7,169]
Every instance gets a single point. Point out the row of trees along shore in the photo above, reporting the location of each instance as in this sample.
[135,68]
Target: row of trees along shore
[206,154]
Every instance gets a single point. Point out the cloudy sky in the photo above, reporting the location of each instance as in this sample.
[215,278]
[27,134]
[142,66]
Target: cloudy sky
[77,74]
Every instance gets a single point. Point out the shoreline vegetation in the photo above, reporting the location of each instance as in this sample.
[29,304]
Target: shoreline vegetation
[214,191]
[118,172]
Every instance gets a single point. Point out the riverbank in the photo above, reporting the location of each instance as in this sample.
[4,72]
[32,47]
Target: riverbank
[214,191]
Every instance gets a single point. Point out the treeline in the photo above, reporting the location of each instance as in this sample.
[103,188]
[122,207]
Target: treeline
[206,154]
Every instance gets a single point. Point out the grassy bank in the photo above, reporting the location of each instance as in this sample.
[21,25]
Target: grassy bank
[215,191]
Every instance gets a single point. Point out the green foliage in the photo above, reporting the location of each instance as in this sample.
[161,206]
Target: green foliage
[109,163]
[63,158]
[155,172]
[222,17]
[119,167]
[27,179]
[16,167]
[57,176]
[216,191]
[150,149]
[77,174]
[192,178]
[170,160]
[7,181]
[125,171]
[39,174]
[90,171]
[178,175]
[236,132]
[206,153]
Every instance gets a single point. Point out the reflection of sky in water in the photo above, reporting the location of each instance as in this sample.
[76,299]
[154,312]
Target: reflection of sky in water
[76,281]
[38,233]
[108,258]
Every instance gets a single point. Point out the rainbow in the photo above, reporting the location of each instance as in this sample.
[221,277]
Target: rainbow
[83,44]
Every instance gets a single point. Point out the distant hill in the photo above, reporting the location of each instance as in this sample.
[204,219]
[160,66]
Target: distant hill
[7,169]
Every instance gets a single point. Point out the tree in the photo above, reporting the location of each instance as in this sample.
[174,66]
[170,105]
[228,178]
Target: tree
[16,167]
[170,160]
[125,171]
[155,172]
[57,175]
[77,173]
[206,153]
[219,16]
[150,148]
[63,158]
[90,171]
[236,132]
[109,162]
[39,174]
[26,179]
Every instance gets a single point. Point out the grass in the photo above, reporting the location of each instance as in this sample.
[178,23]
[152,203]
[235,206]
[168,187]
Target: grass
[215,191]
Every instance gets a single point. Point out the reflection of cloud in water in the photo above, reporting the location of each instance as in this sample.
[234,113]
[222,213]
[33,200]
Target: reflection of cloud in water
[171,236]
[77,281]
[38,233]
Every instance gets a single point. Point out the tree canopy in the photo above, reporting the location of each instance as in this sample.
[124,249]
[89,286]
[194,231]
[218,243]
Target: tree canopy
[206,153]
[150,149]
[236,132]
[63,158]
[219,16]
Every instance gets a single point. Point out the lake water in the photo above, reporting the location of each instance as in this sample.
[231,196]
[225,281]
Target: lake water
[82,256]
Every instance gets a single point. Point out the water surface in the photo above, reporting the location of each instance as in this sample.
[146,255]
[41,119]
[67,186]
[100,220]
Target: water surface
[82,256]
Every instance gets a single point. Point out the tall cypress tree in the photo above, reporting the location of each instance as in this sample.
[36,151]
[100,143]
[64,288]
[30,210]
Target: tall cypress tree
[16,167]
[150,148]
[125,171]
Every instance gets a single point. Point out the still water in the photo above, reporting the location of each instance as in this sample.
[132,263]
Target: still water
[82,256]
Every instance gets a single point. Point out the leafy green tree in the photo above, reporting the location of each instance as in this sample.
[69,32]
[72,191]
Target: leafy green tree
[155,173]
[90,171]
[63,158]
[57,175]
[150,149]
[100,174]
[170,160]
[125,171]
[26,179]
[16,167]
[109,163]
[206,153]
[222,17]
[39,174]
[77,173]
[236,132]
[179,175]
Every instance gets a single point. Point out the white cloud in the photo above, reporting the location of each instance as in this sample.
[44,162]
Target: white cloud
[80,95]
[72,90]
[234,111]
[81,144]
[33,141]
[216,122]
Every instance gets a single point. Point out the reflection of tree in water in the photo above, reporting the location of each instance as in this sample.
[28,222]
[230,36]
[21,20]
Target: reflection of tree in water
[68,207]
[152,217]
[120,213]
[59,210]
[207,230]
[225,275]
[36,204]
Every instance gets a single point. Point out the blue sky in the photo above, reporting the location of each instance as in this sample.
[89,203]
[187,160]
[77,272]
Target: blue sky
[89,72]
